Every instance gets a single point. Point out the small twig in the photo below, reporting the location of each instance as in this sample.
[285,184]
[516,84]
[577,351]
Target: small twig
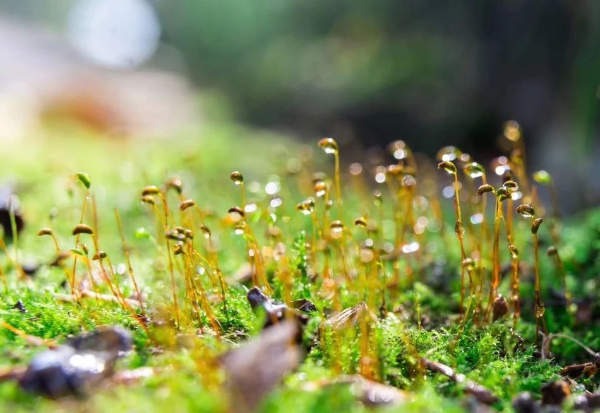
[476,390]
[98,296]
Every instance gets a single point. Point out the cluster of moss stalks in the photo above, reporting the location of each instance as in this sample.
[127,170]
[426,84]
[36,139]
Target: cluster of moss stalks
[449,263]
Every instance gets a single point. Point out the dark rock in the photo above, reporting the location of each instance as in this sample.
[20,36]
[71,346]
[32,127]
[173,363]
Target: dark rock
[368,392]
[304,305]
[588,402]
[256,367]
[79,365]
[555,392]
[20,306]
[524,403]
[275,312]
[9,202]
[499,308]
[30,269]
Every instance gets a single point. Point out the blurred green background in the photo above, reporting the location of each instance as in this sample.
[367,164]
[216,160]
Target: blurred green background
[366,71]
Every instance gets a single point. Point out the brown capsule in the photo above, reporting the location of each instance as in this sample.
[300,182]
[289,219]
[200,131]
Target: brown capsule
[45,231]
[468,264]
[236,210]
[484,189]
[511,186]
[448,167]
[100,255]
[186,204]
[320,188]
[148,199]
[174,235]
[150,190]
[360,222]
[499,308]
[237,177]
[176,184]
[178,249]
[535,225]
[458,228]
[337,228]
[394,170]
[551,251]
[502,194]
[329,145]
[525,210]
[307,206]
[205,230]
[83,229]
[514,252]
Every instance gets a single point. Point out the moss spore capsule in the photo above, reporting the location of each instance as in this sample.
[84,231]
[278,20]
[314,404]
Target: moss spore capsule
[84,179]
[329,146]
[361,222]
[188,203]
[512,130]
[484,189]
[45,231]
[474,170]
[150,190]
[83,229]
[535,225]
[237,177]
[448,154]
[447,166]
[525,210]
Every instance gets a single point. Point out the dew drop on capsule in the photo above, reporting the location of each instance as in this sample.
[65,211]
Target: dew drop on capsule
[474,170]
[307,206]
[539,312]
[320,188]
[336,227]
[525,210]
[511,186]
[240,228]
[237,177]
[448,154]
[512,130]
[502,194]
[468,264]
[542,177]
[378,198]
[514,252]
[447,166]
[329,145]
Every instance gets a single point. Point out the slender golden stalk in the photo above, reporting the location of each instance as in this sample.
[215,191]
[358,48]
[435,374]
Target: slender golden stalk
[128,261]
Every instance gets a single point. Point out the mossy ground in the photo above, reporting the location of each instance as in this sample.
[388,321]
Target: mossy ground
[43,170]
